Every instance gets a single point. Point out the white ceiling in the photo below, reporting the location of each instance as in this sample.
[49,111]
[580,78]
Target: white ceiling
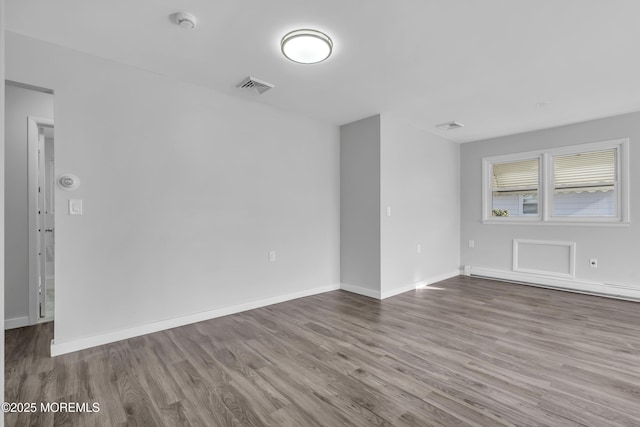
[483,63]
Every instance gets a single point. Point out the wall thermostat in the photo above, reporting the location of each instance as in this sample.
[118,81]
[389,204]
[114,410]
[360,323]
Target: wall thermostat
[68,182]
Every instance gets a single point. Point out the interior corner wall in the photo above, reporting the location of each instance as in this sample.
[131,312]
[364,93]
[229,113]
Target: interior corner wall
[385,163]
[182,200]
[20,103]
[420,184]
[360,205]
[616,248]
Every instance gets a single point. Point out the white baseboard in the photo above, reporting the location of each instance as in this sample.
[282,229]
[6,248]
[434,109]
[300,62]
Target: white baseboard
[578,286]
[16,322]
[360,290]
[441,277]
[427,282]
[399,290]
[122,334]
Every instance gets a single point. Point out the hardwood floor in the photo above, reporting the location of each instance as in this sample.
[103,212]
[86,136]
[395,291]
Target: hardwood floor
[462,352]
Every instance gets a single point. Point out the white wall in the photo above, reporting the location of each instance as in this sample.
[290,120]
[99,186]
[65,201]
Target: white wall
[20,103]
[387,162]
[420,182]
[185,193]
[615,248]
[2,181]
[360,204]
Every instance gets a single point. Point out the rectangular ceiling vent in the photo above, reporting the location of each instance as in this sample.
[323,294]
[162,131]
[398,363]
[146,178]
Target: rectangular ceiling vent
[252,83]
[450,125]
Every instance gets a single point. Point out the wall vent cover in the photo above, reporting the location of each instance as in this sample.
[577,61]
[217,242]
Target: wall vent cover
[450,125]
[252,83]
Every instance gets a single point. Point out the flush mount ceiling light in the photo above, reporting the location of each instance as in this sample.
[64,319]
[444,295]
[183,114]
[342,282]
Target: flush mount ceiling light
[306,46]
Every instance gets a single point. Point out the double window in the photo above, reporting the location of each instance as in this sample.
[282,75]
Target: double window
[580,184]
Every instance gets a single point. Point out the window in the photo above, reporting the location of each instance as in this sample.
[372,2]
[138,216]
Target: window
[579,184]
[584,184]
[514,188]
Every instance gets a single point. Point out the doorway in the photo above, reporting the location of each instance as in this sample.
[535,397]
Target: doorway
[41,143]
[29,205]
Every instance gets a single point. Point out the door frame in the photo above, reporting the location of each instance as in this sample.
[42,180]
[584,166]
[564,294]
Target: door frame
[33,125]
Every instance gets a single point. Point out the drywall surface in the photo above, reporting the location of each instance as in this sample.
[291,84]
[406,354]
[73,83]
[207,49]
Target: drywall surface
[420,185]
[616,248]
[20,103]
[360,204]
[185,192]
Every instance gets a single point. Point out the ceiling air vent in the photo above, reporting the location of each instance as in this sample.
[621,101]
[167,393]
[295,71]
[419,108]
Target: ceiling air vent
[252,83]
[450,125]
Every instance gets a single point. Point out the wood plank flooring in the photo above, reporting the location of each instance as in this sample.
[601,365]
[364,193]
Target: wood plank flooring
[463,352]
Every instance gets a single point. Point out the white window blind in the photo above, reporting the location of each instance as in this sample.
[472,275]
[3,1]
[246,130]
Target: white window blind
[516,176]
[595,171]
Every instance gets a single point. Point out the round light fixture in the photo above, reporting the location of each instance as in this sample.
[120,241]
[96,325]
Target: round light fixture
[306,46]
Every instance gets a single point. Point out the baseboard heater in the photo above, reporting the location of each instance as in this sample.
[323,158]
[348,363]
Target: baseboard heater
[568,289]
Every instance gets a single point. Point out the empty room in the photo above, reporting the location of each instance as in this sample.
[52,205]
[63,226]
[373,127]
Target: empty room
[336,213]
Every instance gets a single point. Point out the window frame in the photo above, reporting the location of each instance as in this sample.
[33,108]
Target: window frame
[487,180]
[546,186]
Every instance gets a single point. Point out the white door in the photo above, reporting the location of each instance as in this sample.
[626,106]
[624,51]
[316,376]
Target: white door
[45,223]
[41,225]
[49,224]
[40,135]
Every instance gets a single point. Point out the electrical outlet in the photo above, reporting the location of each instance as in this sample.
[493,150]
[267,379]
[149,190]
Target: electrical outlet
[593,263]
[272,256]
[472,243]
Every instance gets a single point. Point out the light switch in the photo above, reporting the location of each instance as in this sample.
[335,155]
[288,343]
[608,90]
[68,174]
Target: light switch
[75,207]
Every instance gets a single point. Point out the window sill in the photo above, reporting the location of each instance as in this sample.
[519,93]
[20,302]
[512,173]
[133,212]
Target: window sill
[556,223]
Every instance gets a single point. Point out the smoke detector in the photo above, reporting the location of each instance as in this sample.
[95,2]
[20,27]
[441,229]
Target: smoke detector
[450,125]
[252,83]
[185,20]
[68,182]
